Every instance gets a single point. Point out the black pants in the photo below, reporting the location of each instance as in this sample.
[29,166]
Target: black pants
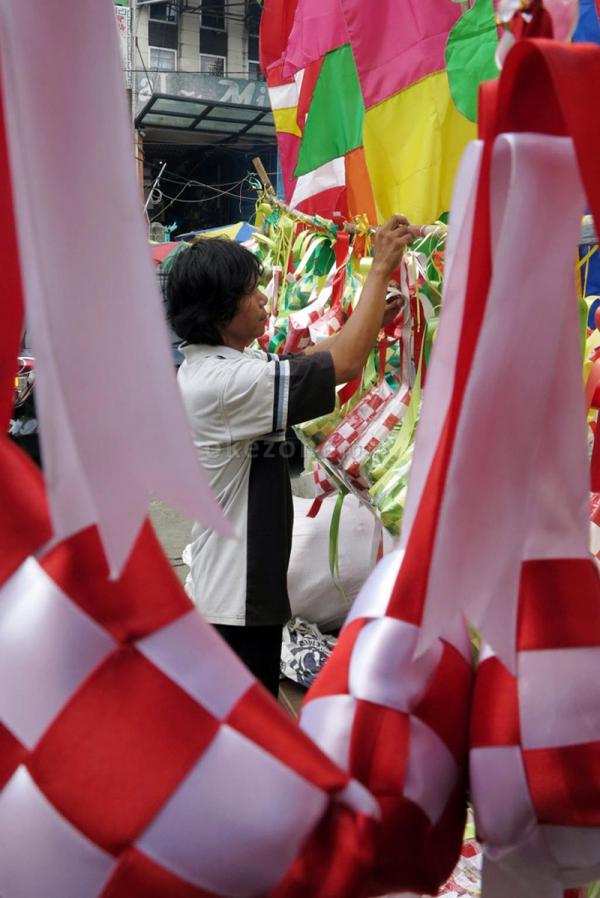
[260,650]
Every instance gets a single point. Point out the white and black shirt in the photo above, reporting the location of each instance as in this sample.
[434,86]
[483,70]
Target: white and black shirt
[239,405]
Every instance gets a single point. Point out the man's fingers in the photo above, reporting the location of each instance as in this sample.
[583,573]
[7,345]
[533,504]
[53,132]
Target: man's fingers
[397,220]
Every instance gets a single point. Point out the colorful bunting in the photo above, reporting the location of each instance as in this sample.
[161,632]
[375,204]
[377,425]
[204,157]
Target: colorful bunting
[370,85]
[337,101]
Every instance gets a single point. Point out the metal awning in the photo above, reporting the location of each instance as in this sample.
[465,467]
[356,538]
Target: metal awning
[212,120]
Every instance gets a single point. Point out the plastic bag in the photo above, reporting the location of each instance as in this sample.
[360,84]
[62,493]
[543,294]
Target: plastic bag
[304,651]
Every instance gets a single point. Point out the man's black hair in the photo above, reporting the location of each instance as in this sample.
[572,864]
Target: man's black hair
[205,286]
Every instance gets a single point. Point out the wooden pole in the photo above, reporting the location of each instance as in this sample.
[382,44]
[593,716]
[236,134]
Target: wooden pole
[262,174]
[439,230]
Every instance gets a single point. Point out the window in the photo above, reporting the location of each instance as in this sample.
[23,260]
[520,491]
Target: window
[163,60]
[212,65]
[162,26]
[253,47]
[213,14]
[253,17]
[254,72]
[213,34]
[163,12]
[253,27]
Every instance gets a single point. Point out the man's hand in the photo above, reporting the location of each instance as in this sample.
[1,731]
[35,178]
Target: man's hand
[352,345]
[390,241]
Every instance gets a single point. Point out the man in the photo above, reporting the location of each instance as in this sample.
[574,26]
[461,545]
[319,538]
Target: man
[240,402]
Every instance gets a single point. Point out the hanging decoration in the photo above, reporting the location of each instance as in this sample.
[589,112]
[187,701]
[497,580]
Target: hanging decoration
[471,55]
[365,444]
[391,139]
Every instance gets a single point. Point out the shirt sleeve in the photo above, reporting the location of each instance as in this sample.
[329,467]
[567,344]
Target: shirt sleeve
[261,398]
[308,387]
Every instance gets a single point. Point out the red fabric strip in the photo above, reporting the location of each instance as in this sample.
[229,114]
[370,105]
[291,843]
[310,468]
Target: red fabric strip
[333,679]
[276,78]
[537,95]
[282,739]
[12,753]
[348,390]
[24,518]
[314,509]
[338,855]
[341,248]
[309,81]
[565,783]
[495,713]
[275,25]
[147,595]
[12,306]
[379,748]
[130,735]
[445,707]
[412,855]
[137,876]
[559,605]
[330,203]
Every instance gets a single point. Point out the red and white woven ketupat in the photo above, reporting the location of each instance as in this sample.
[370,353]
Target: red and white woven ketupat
[396,721]
[535,740]
[324,486]
[511,546]
[354,424]
[388,417]
[138,757]
[327,325]
[399,725]
[298,337]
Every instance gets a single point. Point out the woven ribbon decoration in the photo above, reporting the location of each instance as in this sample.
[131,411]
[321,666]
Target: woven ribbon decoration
[396,722]
[535,741]
[138,757]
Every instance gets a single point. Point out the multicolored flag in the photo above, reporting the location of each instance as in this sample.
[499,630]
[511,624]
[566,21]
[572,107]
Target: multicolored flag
[362,105]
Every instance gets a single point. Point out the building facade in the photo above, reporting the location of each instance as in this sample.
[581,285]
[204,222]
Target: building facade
[213,37]
[200,108]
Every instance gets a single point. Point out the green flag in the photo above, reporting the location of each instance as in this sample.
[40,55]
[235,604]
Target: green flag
[334,123]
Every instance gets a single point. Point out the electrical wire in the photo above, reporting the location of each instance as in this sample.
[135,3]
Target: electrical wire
[194,183]
[176,199]
[207,199]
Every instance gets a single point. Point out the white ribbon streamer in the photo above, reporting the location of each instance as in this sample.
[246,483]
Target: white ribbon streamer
[492,506]
[92,303]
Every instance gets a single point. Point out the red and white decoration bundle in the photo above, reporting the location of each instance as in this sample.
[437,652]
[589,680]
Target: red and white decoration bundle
[138,758]
[134,755]
[370,438]
[345,436]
